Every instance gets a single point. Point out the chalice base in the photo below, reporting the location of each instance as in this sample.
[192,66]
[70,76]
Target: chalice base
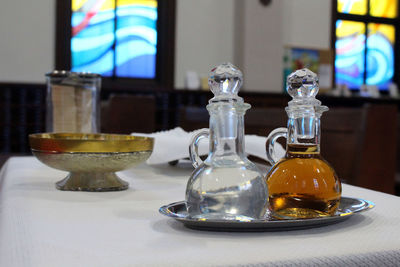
[93,182]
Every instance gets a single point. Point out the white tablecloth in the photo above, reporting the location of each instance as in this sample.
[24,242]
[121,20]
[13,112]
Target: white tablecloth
[41,226]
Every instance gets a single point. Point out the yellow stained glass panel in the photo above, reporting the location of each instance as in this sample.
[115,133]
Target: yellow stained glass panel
[347,28]
[356,7]
[150,3]
[87,6]
[383,8]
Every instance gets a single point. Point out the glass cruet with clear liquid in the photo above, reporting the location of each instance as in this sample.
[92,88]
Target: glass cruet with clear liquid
[226,185]
[302,184]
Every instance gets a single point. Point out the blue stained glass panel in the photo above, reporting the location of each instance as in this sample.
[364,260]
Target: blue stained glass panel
[109,39]
[350,47]
[380,55]
[136,41]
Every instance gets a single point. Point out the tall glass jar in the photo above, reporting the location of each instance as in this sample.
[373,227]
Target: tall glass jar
[302,184]
[226,186]
[73,102]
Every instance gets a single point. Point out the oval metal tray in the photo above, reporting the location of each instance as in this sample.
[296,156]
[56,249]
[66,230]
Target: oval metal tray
[348,206]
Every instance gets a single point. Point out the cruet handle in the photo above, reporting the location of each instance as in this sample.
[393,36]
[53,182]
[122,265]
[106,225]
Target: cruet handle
[194,147]
[270,145]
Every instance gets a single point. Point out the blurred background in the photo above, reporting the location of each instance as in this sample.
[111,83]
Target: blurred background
[154,58]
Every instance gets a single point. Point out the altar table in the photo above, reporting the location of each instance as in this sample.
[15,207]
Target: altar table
[42,226]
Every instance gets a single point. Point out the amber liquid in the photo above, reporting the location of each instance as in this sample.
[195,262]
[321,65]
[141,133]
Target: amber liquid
[303,185]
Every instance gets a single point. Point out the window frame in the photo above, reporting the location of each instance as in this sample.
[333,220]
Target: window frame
[367,19]
[165,57]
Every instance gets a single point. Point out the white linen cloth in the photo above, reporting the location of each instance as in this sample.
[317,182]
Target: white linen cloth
[174,144]
[41,226]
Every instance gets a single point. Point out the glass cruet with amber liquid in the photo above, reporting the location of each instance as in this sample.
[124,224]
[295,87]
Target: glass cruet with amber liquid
[302,184]
[226,185]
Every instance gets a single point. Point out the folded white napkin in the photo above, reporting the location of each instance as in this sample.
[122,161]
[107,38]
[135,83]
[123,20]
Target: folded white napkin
[173,145]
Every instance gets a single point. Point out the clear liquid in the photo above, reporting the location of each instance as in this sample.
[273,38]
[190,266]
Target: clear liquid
[227,193]
[303,185]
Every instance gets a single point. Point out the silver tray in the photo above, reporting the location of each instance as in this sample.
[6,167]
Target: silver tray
[348,207]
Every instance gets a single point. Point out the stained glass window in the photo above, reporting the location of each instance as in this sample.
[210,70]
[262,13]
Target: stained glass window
[115,38]
[349,62]
[365,42]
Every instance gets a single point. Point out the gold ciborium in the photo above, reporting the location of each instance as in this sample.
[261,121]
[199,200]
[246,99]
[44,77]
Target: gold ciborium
[90,159]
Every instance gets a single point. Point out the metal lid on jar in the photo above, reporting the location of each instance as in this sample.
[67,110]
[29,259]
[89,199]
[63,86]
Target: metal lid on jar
[66,73]
[73,78]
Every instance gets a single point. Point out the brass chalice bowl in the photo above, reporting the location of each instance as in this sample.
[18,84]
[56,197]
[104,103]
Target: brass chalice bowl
[90,159]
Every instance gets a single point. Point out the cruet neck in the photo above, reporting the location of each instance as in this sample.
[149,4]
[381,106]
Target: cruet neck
[227,134]
[304,110]
[304,132]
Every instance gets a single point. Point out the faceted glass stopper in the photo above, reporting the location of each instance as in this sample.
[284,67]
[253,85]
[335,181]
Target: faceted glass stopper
[225,79]
[302,83]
